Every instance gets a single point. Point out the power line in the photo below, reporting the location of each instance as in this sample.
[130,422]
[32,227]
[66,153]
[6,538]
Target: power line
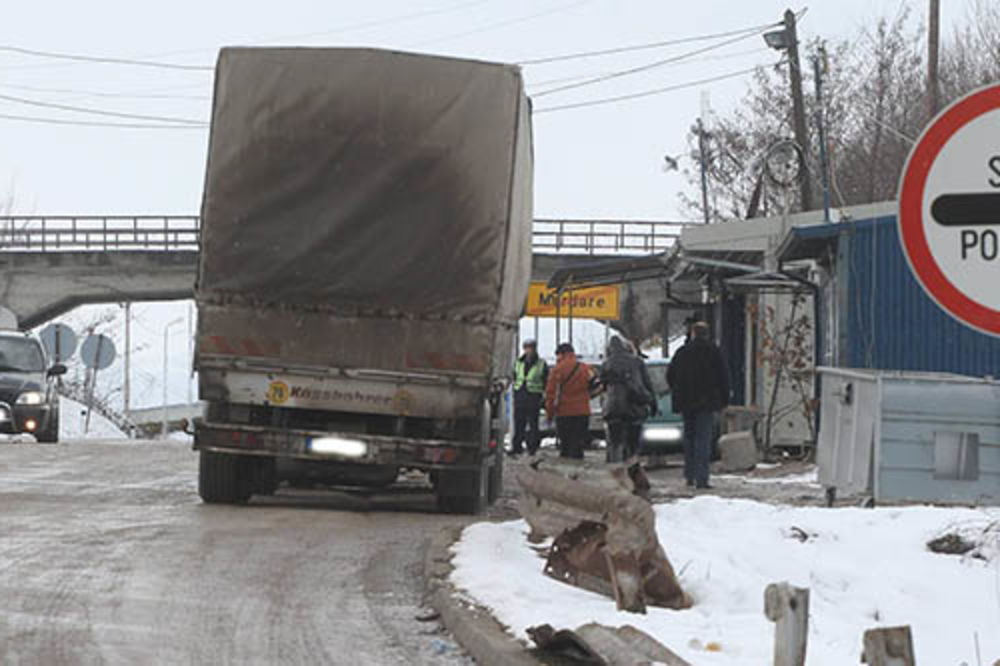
[381,22]
[645,93]
[643,47]
[153,63]
[99,112]
[91,123]
[691,61]
[96,93]
[500,24]
[647,67]
[99,59]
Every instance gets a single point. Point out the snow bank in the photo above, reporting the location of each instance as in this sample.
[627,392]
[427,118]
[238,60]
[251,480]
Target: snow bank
[865,568]
[72,416]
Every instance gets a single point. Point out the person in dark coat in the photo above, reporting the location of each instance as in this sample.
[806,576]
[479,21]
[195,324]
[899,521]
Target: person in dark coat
[530,375]
[629,399]
[699,381]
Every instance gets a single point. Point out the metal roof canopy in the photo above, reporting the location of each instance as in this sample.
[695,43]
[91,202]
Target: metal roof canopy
[612,271]
[776,280]
[812,241]
[644,268]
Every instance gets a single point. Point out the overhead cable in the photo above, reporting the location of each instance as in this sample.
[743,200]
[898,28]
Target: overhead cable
[500,24]
[99,112]
[642,47]
[94,123]
[645,93]
[691,61]
[647,67]
[99,93]
[76,57]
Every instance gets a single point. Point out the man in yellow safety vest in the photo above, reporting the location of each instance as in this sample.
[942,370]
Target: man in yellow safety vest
[530,375]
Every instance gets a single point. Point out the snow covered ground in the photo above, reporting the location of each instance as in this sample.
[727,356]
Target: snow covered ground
[865,568]
[72,419]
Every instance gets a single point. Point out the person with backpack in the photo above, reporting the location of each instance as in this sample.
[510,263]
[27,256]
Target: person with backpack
[629,399]
[699,381]
[530,376]
[567,400]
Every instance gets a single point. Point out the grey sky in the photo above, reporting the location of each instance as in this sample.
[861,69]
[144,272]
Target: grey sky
[594,162]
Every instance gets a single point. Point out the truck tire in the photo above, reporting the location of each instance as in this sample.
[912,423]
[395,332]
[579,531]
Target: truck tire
[495,488]
[224,478]
[464,492]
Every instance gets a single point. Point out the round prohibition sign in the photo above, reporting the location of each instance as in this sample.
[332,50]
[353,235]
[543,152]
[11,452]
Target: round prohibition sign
[949,210]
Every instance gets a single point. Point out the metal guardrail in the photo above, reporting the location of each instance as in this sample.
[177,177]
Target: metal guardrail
[171,233]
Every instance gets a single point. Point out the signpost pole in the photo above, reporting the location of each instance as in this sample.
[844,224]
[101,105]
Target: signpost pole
[569,323]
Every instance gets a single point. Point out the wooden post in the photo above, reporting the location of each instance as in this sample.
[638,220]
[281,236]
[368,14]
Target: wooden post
[891,646]
[788,607]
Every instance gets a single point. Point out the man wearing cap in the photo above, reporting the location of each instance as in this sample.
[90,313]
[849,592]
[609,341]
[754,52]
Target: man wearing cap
[699,381]
[530,375]
[567,400]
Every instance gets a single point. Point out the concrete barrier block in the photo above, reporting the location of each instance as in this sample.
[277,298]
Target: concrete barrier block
[738,451]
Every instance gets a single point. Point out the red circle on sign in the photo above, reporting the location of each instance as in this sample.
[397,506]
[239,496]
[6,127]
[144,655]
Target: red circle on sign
[911,202]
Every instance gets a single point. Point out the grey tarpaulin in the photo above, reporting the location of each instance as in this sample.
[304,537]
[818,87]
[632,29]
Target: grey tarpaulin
[358,184]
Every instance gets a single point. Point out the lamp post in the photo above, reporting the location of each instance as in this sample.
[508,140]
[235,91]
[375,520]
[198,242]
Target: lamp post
[166,355]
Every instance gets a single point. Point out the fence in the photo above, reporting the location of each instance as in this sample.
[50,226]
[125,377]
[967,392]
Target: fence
[105,233]
[172,233]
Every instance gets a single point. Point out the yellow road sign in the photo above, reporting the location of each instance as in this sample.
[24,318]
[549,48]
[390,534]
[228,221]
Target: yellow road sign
[590,303]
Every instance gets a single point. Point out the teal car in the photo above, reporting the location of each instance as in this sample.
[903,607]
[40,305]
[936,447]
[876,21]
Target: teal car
[664,432]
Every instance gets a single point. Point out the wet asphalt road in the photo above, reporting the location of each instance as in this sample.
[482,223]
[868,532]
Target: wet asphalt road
[107,555]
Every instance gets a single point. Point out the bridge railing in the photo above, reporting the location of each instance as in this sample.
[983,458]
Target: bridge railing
[604,236]
[105,233]
[172,233]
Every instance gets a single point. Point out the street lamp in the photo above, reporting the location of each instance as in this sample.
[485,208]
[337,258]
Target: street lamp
[776,39]
[166,346]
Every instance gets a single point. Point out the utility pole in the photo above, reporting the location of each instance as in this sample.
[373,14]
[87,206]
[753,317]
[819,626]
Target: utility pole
[702,160]
[798,106]
[819,69]
[933,36]
[127,380]
[190,337]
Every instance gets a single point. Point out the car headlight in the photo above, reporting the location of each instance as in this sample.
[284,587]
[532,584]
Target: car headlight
[338,446]
[664,434]
[30,398]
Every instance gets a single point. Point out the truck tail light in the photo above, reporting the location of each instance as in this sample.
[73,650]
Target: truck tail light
[439,454]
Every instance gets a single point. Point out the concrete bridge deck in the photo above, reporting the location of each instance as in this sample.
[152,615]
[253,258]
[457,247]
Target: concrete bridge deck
[50,265]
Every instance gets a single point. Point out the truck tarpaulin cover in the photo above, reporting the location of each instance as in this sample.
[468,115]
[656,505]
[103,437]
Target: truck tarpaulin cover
[357,183]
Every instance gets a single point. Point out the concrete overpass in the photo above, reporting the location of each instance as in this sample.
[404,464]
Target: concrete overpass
[50,265]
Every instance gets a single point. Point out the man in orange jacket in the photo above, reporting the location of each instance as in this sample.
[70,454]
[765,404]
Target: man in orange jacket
[567,399]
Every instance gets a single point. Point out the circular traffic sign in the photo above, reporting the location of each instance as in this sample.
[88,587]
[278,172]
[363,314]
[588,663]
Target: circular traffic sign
[949,210]
[59,341]
[97,352]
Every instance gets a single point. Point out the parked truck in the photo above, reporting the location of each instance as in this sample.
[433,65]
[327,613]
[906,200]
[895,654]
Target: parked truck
[365,259]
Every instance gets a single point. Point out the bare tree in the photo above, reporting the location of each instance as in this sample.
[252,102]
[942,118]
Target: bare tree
[873,91]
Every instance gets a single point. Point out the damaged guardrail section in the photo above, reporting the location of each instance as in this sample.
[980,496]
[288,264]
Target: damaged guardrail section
[605,534]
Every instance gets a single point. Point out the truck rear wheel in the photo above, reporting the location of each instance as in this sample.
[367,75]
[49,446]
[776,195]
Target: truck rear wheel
[224,478]
[463,491]
[495,488]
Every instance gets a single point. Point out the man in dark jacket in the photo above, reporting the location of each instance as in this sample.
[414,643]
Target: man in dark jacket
[699,381]
[629,399]
[530,375]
